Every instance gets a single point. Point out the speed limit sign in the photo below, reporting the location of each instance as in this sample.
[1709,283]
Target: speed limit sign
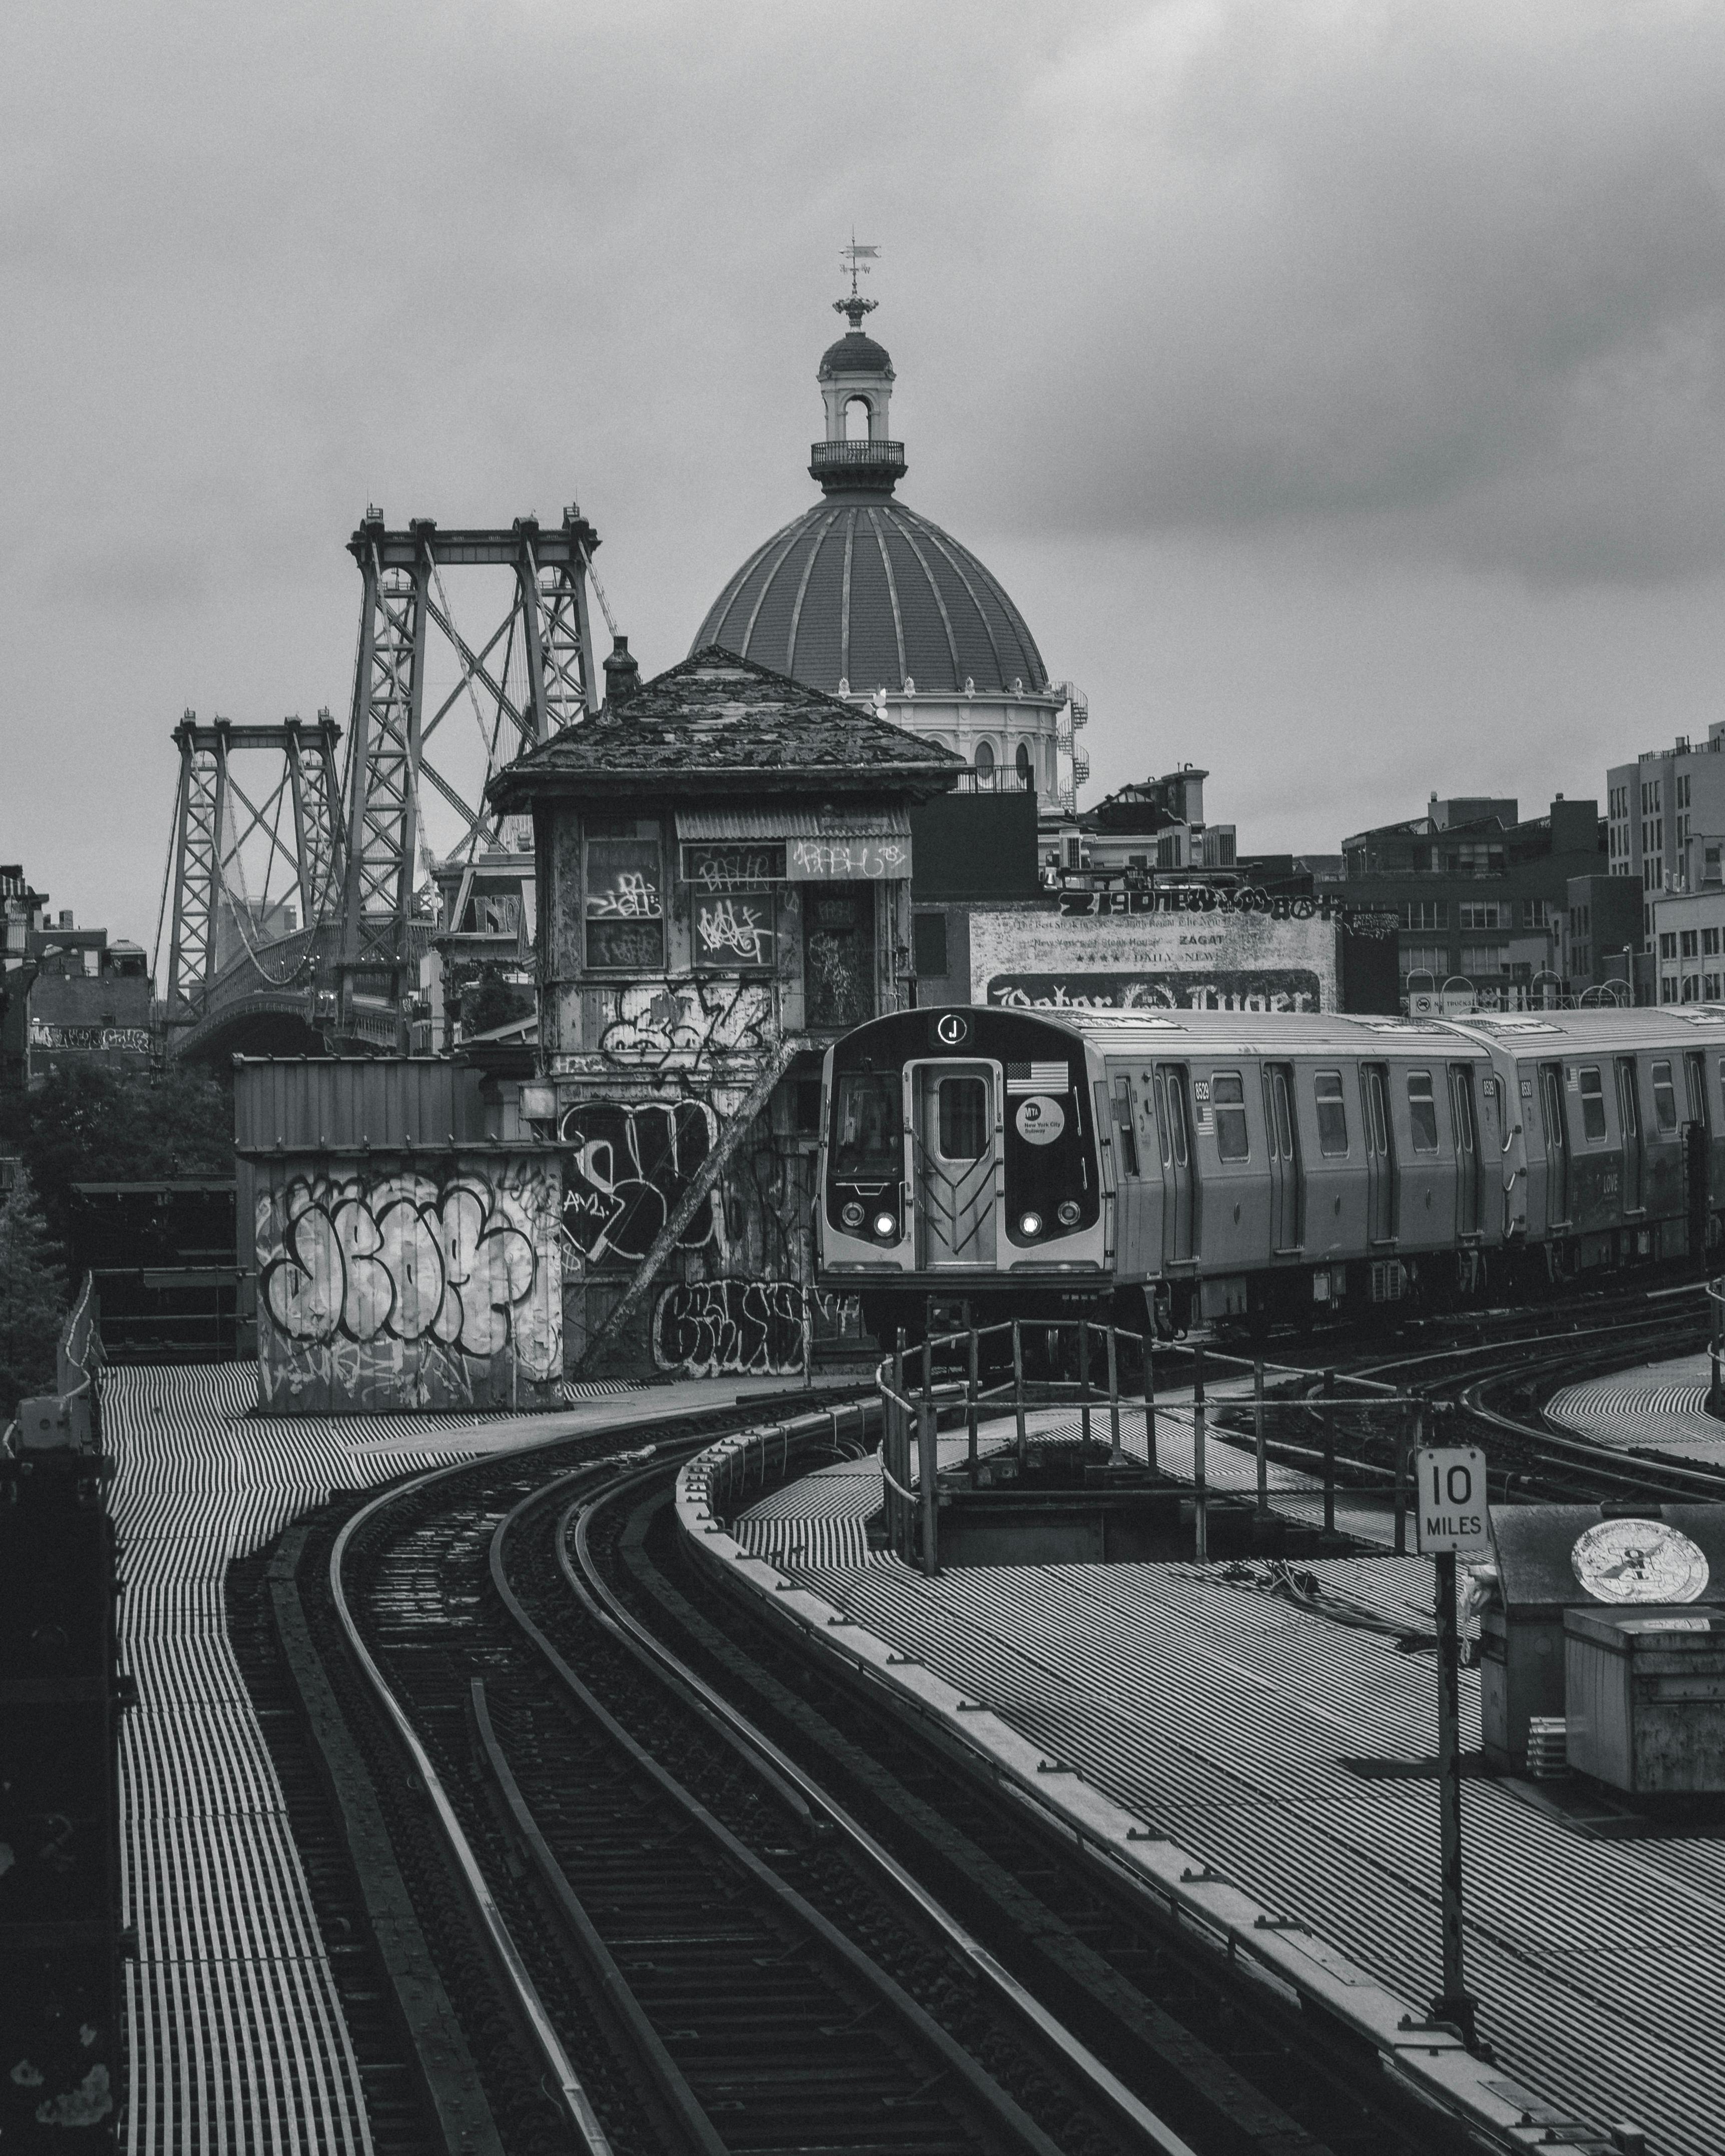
[1449,1501]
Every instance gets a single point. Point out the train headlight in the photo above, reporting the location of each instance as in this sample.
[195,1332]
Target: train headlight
[1067,1213]
[851,1215]
[1031,1225]
[886,1227]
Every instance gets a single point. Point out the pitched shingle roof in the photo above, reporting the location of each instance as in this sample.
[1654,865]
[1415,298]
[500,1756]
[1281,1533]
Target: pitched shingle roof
[717,722]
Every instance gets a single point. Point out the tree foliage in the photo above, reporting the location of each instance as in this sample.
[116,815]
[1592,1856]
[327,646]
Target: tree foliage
[33,1298]
[84,1124]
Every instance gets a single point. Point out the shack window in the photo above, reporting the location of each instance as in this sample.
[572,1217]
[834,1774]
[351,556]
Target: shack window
[1227,1099]
[868,1127]
[1422,1111]
[1593,1102]
[1332,1114]
[1665,1098]
[963,1118]
[624,908]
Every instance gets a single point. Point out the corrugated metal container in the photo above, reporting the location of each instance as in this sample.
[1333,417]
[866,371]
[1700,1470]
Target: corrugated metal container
[304,1104]
[1646,1698]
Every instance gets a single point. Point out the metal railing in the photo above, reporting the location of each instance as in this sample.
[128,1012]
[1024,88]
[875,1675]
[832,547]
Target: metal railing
[1297,1425]
[837,454]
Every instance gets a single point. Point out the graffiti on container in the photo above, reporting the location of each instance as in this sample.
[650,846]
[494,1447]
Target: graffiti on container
[677,1024]
[714,1327]
[388,1289]
[628,1163]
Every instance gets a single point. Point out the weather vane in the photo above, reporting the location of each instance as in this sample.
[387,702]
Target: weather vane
[856,259]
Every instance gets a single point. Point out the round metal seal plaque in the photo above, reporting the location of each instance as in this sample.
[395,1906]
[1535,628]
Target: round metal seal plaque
[1639,1561]
[1040,1119]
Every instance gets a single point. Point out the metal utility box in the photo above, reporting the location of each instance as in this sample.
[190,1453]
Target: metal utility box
[1646,1697]
[1522,1654]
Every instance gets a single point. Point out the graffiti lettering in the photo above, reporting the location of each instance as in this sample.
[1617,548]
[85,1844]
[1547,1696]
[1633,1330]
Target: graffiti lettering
[132,1039]
[677,1025]
[632,897]
[628,1164]
[383,1290]
[732,868]
[707,1329]
[825,860]
[742,925]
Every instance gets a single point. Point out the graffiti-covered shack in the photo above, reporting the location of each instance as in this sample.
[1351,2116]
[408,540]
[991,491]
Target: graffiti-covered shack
[723,886]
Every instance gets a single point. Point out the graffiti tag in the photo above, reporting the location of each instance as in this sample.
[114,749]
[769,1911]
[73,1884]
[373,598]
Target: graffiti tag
[632,897]
[824,861]
[678,1024]
[740,926]
[707,1329]
[628,1164]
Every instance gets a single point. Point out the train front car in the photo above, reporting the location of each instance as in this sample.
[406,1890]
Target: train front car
[960,1159]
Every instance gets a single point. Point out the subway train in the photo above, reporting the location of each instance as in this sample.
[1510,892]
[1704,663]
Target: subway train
[1205,1166]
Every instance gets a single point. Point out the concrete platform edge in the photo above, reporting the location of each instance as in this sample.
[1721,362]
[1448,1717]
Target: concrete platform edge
[1431,2063]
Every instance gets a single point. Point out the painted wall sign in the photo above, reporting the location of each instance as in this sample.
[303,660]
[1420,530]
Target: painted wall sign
[734,867]
[91,1039]
[847,861]
[1201,898]
[397,1289]
[1221,961]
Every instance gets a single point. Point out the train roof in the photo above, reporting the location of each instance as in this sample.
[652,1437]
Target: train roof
[1155,1032]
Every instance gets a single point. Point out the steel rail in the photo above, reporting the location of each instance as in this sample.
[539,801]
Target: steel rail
[577,2105]
[606,1610]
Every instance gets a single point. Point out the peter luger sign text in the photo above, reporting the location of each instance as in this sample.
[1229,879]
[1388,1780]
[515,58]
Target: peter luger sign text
[1153,962]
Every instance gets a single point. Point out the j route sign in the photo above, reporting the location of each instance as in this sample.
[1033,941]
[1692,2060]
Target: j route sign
[1449,1501]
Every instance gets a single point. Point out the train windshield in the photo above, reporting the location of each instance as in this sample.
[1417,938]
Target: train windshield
[868,1128]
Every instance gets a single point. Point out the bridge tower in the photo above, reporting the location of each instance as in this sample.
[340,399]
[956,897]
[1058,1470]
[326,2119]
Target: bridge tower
[295,825]
[544,634]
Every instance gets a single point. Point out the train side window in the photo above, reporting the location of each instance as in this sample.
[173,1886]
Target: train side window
[1665,1099]
[963,1118]
[1422,1111]
[1332,1114]
[1593,1102]
[1127,1135]
[1228,1100]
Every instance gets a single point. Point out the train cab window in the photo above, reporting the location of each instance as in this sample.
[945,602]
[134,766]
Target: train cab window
[1332,1114]
[1664,1100]
[1422,1111]
[963,1118]
[1228,1100]
[1593,1102]
[868,1127]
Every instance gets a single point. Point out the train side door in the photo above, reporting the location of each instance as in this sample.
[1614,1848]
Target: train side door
[955,1143]
[1116,1113]
[1380,1155]
[1629,1115]
[1556,1145]
[1179,1195]
[1282,1148]
[1465,1125]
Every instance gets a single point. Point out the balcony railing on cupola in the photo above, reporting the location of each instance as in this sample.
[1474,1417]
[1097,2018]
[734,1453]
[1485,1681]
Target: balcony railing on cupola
[857,464]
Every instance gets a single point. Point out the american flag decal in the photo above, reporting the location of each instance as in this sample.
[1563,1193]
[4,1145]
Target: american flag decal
[1037,1077]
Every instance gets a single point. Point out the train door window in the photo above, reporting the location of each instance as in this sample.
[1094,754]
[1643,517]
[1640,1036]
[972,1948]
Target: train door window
[963,1118]
[1695,1072]
[1664,1100]
[1175,1119]
[1281,1120]
[1377,1113]
[1228,1100]
[1332,1114]
[1125,1137]
[1592,1103]
[1422,1111]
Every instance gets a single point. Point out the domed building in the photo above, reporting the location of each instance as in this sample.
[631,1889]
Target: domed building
[863,598]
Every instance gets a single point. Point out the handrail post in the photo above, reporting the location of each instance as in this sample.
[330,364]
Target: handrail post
[1149,1399]
[1329,1416]
[1258,1437]
[898,1430]
[1406,1444]
[1017,1392]
[1084,1382]
[1716,1349]
[1116,1457]
[1200,1510]
[970,1398]
[928,1456]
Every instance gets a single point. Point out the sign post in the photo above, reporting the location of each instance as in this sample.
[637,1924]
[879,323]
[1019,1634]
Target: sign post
[1451,1519]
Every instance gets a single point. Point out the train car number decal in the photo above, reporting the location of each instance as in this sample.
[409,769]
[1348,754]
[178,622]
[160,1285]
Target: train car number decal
[1040,1120]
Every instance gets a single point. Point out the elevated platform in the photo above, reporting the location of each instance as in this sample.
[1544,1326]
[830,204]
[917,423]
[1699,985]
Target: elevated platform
[1282,1743]
[234,2028]
[1656,1406]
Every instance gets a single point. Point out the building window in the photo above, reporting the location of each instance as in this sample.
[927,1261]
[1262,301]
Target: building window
[1425,913]
[1228,1100]
[929,944]
[625,906]
[1483,913]
[1689,943]
[1667,945]
[1535,913]
[984,759]
[1025,770]
[1332,1114]
[1710,987]
[1691,993]
[1422,1111]
[1478,958]
[1667,988]
[1709,942]
[1425,958]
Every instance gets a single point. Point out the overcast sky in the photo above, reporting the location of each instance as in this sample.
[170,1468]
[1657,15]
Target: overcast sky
[1338,387]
